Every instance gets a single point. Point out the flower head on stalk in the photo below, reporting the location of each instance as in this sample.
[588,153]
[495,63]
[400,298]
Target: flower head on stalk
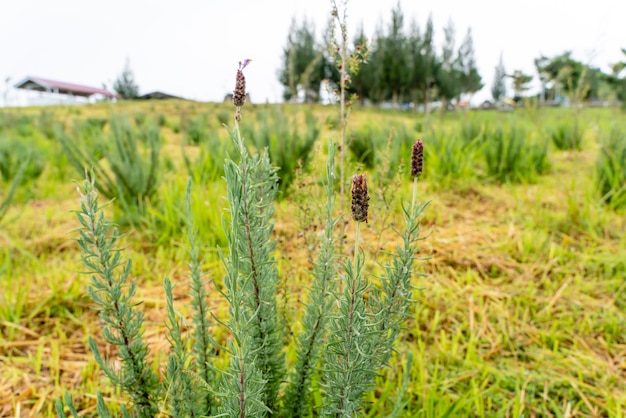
[239,94]
[417,159]
[360,198]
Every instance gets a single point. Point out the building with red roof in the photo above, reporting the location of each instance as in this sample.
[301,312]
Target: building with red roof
[52,91]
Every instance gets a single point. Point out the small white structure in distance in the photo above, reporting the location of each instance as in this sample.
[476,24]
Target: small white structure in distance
[42,91]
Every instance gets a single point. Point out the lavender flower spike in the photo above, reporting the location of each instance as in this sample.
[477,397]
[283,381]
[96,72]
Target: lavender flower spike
[239,95]
[360,198]
[417,159]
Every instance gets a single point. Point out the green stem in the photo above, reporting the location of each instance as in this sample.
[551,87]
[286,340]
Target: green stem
[414,195]
[354,286]
[238,132]
[356,243]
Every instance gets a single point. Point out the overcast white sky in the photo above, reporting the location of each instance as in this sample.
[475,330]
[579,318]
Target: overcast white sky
[191,48]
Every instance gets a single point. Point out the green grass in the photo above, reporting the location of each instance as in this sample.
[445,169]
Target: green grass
[611,167]
[522,311]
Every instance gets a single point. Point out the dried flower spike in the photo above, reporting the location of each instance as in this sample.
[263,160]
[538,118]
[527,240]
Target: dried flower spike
[360,198]
[417,159]
[239,95]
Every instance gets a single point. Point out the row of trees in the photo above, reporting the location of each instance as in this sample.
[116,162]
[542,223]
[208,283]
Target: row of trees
[403,65]
[563,76]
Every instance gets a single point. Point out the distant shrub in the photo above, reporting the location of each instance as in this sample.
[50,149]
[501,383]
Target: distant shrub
[8,196]
[140,118]
[128,170]
[400,145]
[471,129]
[96,123]
[511,156]
[25,126]
[288,148]
[47,124]
[567,135]
[20,158]
[451,159]
[166,219]
[208,164]
[197,131]
[90,132]
[384,148]
[174,126]
[167,163]
[224,117]
[6,121]
[362,144]
[332,121]
[419,126]
[611,167]
[161,120]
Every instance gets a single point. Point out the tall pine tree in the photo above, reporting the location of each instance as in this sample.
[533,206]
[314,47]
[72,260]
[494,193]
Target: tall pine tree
[125,84]
[447,73]
[393,67]
[305,64]
[470,79]
[498,87]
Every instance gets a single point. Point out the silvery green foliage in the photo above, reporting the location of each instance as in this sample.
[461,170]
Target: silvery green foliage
[350,322]
[204,345]
[394,299]
[113,292]
[364,330]
[251,284]
[349,366]
[181,394]
[311,342]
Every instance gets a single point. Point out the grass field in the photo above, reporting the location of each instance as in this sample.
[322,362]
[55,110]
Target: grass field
[521,310]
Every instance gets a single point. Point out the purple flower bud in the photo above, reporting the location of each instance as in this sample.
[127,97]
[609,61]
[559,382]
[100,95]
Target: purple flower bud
[239,95]
[417,159]
[360,198]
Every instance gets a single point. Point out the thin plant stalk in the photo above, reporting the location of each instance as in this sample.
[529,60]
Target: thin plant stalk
[343,78]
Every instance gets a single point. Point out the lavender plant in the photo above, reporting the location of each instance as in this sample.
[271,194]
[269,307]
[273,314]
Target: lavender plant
[364,332]
[204,345]
[113,292]
[350,323]
[11,190]
[610,178]
[310,343]
[130,175]
[252,276]
[348,372]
